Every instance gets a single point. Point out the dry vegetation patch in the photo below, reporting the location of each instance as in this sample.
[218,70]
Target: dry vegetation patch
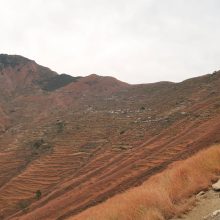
[164,195]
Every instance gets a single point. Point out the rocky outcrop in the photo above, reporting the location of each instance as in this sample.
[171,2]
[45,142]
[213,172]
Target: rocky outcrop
[213,216]
[216,186]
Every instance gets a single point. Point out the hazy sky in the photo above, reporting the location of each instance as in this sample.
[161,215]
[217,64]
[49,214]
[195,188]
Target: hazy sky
[135,41]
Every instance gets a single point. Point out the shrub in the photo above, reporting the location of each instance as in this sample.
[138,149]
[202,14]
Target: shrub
[38,194]
[23,204]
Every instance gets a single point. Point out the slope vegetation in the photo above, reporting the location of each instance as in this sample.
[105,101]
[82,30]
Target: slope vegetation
[164,195]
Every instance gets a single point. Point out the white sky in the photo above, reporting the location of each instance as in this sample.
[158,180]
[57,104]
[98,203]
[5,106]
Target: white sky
[135,41]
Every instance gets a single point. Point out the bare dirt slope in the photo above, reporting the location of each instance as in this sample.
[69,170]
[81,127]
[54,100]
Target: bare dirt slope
[81,140]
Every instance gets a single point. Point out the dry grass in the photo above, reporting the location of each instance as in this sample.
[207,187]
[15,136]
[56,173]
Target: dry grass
[164,195]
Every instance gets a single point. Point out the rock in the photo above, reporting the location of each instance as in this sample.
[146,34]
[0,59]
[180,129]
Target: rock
[215,213]
[214,216]
[125,147]
[216,186]
[200,194]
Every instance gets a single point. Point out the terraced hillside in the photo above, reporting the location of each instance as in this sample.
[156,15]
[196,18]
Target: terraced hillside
[81,140]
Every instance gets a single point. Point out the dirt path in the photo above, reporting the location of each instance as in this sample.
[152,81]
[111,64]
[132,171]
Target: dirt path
[207,204]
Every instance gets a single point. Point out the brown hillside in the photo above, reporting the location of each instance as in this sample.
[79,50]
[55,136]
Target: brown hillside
[81,140]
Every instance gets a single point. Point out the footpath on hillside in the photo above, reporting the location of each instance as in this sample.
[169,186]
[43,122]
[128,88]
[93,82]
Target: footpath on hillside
[207,207]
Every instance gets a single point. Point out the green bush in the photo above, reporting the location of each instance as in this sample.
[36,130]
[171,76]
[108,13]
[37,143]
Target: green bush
[38,194]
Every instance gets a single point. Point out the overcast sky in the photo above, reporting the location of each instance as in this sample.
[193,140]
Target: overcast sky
[135,41]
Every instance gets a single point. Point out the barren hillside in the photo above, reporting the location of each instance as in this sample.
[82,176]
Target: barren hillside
[81,140]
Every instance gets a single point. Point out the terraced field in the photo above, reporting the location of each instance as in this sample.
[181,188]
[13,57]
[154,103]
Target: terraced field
[95,137]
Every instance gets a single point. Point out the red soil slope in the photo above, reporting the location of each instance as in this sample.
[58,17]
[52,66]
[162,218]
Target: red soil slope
[94,137]
[165,195]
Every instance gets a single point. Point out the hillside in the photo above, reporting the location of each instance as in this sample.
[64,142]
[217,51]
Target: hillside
[81,140]
[170,193]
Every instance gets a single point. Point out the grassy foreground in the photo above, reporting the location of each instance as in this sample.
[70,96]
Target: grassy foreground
[164,195]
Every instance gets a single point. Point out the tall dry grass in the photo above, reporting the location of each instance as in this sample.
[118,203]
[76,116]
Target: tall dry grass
[164,195]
